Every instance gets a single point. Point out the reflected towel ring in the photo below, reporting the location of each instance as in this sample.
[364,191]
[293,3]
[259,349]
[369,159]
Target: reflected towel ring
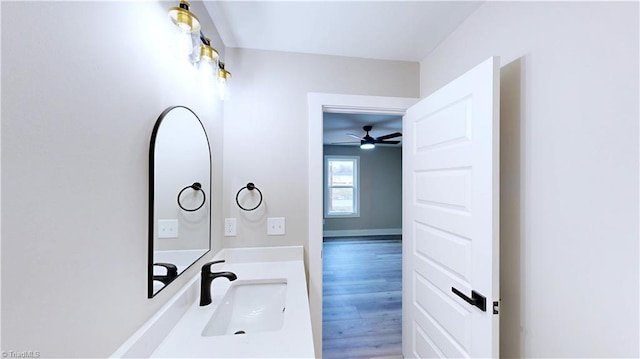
[196,186]
[250,186]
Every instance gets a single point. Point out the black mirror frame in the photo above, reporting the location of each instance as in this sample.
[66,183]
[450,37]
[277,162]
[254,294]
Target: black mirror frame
[156,127]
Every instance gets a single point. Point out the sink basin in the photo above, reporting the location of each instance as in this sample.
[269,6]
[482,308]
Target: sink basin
[249,307]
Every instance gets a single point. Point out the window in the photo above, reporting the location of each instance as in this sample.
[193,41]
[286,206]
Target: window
[341,186]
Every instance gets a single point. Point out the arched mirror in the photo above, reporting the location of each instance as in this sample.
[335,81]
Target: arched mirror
[179,196]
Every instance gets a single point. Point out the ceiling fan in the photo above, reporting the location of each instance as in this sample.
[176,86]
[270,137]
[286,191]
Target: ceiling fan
[368,142]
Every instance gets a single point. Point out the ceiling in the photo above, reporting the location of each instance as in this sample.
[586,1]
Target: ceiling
[386,30]
[389,30]
[338,126]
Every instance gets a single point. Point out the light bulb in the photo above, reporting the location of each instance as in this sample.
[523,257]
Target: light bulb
[367,146]
[222,88]
[208,62]
[207,73]
[185,28]
[184,42]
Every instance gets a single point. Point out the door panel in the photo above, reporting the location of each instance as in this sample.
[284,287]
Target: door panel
[426,348]
[448,189]
[447,126]
[450,217]
[446,249]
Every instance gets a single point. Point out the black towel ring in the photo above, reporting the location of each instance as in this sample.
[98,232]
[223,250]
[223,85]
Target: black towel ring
[196,186]
[250,186]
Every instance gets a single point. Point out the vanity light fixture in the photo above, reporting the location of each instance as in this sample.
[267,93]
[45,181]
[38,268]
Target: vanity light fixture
[187,24]
[223,74]
[208,53]
[183,18]
[207,59]
[223,77]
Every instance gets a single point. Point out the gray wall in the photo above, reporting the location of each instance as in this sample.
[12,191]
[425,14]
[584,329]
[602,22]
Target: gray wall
[266,130]
[380,192]
[569,170]
[80,96]
[82,86]
[80,99]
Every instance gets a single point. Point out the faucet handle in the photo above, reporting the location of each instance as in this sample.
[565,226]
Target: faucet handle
[206,268]
[172,270]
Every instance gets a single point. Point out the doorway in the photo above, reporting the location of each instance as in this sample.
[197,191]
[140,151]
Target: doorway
[318,104]
[445,169]
[362,235]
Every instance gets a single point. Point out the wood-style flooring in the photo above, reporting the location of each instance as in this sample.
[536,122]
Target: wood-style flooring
[362,298]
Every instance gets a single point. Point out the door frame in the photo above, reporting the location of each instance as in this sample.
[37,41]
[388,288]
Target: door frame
[318,103]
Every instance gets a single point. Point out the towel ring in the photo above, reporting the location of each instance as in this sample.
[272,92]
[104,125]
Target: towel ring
[250,186]
[196,186]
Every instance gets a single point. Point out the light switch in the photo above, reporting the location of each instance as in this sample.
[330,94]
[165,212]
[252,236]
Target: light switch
[275,226]
[168,228]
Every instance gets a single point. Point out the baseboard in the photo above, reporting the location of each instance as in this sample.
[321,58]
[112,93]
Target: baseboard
[362,232]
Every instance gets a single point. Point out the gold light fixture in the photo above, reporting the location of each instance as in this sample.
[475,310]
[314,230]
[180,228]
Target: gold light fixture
[183,18]
[208,53]
[206,58]
[223,77]
[208,61]
[187,24]
[223,74]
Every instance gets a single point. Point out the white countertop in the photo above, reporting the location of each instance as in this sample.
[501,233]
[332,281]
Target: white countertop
[293,340]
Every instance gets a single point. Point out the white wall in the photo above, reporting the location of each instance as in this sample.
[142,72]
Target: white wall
[266,130]
[82,86]
[569,170]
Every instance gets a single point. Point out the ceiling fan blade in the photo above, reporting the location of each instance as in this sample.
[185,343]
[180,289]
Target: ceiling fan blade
[388,142]
[344,143]
[354,136]
[391,135]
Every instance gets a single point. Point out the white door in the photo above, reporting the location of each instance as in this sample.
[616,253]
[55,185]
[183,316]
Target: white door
[450,219]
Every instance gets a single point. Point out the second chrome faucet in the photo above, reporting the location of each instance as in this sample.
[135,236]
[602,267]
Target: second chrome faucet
[206,277]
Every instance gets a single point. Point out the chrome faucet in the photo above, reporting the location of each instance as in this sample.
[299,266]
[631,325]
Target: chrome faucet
[207,277]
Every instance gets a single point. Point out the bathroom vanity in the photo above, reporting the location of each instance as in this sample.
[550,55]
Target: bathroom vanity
[262,314]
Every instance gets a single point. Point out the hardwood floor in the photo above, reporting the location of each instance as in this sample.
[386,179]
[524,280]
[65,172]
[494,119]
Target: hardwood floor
[362,298]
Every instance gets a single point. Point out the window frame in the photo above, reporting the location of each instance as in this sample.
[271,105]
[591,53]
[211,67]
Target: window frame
[356,187]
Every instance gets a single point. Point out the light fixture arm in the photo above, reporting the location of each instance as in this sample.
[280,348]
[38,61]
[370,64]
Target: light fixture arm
[205,40]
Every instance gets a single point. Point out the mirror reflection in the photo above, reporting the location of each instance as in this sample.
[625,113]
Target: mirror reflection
[179,195]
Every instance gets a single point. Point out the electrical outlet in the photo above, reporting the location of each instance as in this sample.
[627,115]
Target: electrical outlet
[275,226]
[167,228]
[229,227]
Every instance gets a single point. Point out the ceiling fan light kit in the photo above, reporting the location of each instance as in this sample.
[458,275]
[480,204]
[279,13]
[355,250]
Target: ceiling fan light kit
[367,145]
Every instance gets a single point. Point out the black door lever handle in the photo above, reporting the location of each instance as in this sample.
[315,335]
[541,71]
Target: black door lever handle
[476,299]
